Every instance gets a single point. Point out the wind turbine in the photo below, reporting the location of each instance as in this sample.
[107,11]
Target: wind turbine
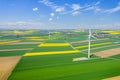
[49,35]
[89,42]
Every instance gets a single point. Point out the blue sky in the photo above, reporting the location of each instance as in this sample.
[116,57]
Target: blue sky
[59,14]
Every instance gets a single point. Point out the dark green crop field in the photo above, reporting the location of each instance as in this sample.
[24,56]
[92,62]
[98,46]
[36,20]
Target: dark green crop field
[45,49]
[12,53]
[61,67]
[18,46]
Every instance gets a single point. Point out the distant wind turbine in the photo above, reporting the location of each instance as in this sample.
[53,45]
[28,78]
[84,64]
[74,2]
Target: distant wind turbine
[49,35]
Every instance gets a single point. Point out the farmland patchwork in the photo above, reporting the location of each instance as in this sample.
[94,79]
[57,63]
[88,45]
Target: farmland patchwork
[50,57]
[46,46]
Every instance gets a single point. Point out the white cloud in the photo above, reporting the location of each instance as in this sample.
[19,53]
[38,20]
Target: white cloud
[48,3]
[53,25]
[35,9]
[75,6]
[75,9]
[100,26]
[22,23]
[75,13]
[52,5]
[52,14]
[115,9]
[92,8]
[97,9]
[50,19]
[97,3]
[60,9]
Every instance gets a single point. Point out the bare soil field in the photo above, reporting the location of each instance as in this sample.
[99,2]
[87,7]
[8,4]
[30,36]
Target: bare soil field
[113,78]
[7,64]
[107,53]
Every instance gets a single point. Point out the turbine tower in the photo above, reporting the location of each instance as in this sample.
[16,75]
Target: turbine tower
[49,35]
[89,42]
[89,36]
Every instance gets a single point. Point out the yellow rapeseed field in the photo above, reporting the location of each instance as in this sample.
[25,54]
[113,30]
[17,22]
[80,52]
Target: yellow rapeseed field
[4,42]
[14,41]
[23,32]
[30,31]
[49,53]
[111,31]
[79,30]
[18,31]
[34,37]
[57,32]
[53,44]
[92,45]
[114,32]
[8,42]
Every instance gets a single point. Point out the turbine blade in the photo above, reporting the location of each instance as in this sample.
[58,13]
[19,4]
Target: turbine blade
[94,37]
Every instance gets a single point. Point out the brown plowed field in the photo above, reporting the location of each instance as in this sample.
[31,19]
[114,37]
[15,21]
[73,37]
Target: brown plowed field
[113,78]
[107,53]
[7,64]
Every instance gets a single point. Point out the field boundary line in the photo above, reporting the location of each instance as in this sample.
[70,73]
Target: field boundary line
[20,43]
[87,41]
[72,46]
[101,47]
[15,49]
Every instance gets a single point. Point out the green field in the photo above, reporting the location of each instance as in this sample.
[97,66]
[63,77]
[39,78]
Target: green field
[61,66]
[17,46]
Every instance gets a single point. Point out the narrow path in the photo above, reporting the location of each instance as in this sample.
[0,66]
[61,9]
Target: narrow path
[15,49]
[87,41]
[16,43]
[101,47]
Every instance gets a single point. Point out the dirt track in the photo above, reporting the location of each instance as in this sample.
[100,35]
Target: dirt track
[101,47]
[6,66]
[107,53]
[113,78]
[86,41]
[15,49]
[25,43]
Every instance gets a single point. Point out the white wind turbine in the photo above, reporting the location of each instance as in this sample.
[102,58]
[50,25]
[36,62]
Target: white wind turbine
[49,35]
[89,42]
